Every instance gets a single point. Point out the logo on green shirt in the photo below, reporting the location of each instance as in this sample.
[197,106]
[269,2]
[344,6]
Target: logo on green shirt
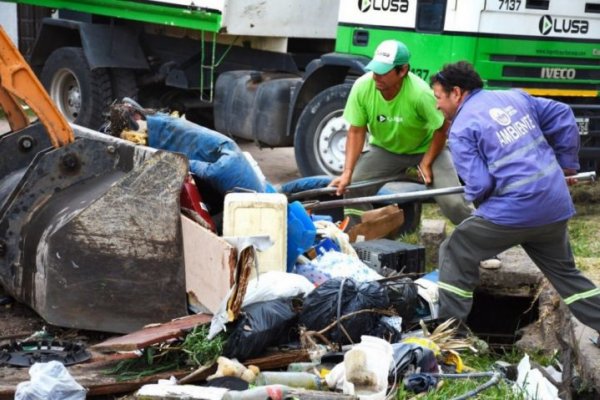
[383,118]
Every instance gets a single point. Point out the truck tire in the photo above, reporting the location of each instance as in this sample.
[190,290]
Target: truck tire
[320,137]
[81,95]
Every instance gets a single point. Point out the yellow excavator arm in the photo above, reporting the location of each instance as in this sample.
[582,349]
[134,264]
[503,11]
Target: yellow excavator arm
[17,81]
[90,229]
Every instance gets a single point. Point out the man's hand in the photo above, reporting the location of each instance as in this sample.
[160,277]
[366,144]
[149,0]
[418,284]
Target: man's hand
[341,182]
[355,141]
[568,172]
[425,173]
[437,146]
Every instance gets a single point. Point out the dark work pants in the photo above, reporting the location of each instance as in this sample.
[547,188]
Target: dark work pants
[549,248]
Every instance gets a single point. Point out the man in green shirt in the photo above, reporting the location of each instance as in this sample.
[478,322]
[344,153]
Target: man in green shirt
[405,128]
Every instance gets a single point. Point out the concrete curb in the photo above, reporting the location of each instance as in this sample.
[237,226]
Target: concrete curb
[519,276]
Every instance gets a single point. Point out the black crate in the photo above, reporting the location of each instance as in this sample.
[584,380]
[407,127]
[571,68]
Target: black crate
[384,255]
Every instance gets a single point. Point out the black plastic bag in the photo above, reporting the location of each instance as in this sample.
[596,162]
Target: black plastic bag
[403,297]
[341,296]
[386,331]
[259,326]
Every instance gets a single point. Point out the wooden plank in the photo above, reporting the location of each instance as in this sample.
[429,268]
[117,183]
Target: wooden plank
[209,265]
[279,360]
[93,375]
[152,334]
[94,378]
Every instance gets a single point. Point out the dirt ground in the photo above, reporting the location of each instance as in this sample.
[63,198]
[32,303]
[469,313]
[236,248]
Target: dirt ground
[18,321]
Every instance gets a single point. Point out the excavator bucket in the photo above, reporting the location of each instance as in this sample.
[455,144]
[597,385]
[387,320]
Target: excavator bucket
[90,231]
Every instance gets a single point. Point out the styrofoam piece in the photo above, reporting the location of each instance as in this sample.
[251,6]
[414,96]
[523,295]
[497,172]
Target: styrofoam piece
[251,214]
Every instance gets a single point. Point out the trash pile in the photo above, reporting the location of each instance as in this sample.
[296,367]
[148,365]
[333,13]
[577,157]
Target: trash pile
[347,314]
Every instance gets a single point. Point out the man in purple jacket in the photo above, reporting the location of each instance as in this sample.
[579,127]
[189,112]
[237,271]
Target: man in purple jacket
[512,151]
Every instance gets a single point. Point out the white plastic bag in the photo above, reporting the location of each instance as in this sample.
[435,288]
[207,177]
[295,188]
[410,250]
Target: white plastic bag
[334,264]
[533,384]
[49,381]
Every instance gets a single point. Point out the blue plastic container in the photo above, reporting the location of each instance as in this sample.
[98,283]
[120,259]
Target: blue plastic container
[326,245]
[301,233]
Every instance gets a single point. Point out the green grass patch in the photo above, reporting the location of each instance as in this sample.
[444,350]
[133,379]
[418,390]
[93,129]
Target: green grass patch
[584,230]
[193,351]
[452,388]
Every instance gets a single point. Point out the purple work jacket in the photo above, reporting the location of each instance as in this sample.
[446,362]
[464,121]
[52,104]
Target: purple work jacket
[510,150]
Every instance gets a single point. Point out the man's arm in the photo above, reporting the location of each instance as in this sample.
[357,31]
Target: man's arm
[355,141]
[470,166]
[437,145]
[558,125]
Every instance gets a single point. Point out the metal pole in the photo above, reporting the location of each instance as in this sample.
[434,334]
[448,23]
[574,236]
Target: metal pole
[421,194]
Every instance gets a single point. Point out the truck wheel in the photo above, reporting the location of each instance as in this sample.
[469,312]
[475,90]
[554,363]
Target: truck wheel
[80,94]
[320,138]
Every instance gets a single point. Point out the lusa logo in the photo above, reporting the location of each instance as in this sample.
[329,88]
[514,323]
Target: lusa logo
[383,5]
[563,25]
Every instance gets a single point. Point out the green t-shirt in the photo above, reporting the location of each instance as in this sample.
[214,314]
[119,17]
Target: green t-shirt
[403,125]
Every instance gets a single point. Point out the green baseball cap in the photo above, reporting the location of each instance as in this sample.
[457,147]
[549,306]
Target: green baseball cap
[388,54]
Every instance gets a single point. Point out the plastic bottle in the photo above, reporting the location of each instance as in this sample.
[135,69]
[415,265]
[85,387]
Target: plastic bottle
[274,392]
[304,380]
[302,366]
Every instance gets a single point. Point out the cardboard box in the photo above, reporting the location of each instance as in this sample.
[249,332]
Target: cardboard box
[209,266]
[378,223]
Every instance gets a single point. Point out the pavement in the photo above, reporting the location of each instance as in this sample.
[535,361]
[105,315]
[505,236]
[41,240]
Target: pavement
[277,164]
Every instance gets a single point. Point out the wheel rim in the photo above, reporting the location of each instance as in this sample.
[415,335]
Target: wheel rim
[330,143]
[65,91]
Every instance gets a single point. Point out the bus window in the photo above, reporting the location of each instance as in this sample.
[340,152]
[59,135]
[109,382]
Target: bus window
[430,15]
[537,4]
[592,8]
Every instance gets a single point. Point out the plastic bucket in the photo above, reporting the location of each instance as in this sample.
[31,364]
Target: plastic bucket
[367,366]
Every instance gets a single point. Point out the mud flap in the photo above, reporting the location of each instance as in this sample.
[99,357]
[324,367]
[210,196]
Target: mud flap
[90,233]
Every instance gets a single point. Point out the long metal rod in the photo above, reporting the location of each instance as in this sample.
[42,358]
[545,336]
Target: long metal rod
[305,194]
[421,194]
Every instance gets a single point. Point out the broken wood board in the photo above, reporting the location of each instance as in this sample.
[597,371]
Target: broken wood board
[209,265]
[152,334]
[275,360]
[94,378]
